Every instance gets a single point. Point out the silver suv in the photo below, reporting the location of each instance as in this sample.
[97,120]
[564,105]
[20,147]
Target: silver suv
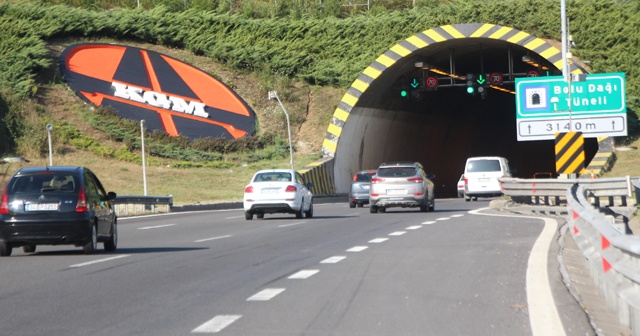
[401,184]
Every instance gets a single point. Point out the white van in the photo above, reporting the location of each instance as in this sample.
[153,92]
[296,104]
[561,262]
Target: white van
[481,176]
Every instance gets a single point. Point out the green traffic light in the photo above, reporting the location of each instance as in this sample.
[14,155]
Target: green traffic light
[470,89]
[403,93]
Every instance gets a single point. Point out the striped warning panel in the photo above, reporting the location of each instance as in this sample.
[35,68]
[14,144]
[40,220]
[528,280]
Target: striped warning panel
[569,153]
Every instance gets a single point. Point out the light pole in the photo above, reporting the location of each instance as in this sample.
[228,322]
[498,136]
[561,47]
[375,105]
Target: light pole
[144,166]
[49,129]
[274,95]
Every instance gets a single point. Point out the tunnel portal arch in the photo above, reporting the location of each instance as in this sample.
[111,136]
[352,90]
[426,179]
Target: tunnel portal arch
[350,145]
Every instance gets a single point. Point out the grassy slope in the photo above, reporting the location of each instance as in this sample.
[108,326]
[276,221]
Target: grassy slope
[186,185]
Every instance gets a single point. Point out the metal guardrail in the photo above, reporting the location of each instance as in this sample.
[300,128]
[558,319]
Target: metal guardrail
[127,205]
[553,191]
[612,256]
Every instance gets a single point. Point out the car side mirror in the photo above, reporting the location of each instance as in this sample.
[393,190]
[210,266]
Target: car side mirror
[309,185]
[111,195]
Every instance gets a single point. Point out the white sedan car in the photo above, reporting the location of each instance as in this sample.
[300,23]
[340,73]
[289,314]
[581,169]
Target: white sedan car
[277,191]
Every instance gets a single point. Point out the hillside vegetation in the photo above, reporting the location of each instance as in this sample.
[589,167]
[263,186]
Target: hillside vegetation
[309,58]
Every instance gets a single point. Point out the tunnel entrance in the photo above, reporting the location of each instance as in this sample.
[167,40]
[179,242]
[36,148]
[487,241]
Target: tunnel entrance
[385,116]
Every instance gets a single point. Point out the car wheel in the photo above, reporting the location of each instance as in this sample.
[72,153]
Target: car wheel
[432,207]
[92,245]
[360,205]
[373,209]
[248,215]
[112,244]
[424,207]
[260,215]
[309,213]
[299,212]
[5,249]
[475,199]
[352,204]
[29,248]
[382,210]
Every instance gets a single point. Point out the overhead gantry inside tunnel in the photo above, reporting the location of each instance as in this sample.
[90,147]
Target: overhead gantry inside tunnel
[412,104]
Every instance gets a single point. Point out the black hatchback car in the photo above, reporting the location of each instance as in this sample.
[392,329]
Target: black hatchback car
[56,206]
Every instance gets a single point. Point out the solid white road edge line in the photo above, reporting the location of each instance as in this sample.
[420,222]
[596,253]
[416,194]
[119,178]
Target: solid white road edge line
[214,238]
[543,313]
[155,227]
[100,260]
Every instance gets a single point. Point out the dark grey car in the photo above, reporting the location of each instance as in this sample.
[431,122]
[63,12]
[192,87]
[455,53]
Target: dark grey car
[359,194]
[56,206]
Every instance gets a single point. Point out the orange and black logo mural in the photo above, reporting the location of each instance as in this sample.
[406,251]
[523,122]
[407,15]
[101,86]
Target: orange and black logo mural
[170,95]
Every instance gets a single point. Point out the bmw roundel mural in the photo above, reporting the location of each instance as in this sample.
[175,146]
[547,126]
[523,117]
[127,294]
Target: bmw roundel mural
[170,95]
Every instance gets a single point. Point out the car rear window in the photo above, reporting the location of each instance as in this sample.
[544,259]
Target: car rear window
[43,183]
[267,177]
[477,166]
[364,177]
[396,172]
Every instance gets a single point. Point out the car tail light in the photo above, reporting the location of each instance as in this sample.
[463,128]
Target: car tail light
[375,195]
[419,194]
[416,179]
[4,203]
[466,184]
[248,189]
[377,180]
[355,177]
[82,201]
[291,189]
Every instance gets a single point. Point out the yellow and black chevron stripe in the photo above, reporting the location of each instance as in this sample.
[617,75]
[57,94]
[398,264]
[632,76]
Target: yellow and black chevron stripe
[424,40]
[320,173]
[603,159]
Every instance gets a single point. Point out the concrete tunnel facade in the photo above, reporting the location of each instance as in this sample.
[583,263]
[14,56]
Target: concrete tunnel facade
[442,126]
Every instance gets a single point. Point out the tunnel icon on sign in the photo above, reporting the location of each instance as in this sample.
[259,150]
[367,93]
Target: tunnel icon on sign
[536,98]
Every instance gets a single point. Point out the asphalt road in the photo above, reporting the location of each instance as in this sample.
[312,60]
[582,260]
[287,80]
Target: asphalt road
[454,271]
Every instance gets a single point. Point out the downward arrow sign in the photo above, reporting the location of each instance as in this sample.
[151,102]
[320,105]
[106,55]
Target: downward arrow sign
[415,83]
[481,80]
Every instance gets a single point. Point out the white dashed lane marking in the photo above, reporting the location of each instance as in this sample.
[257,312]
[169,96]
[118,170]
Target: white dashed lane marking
[429,222]
[378,240]
[443,218]
[456,216]
[333,260]
[415,227]
[397,233]
[266,294]
[304,274]
[357,248]
[216,324]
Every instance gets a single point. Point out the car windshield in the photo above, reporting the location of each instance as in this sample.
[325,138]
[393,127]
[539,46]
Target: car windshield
[273,176]
[42,183]
[396,172]
[364,177]
[478,166]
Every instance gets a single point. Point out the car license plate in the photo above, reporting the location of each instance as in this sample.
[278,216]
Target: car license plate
[270,190]
[365,187]
[41,207]
[483,179]
[396,192]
